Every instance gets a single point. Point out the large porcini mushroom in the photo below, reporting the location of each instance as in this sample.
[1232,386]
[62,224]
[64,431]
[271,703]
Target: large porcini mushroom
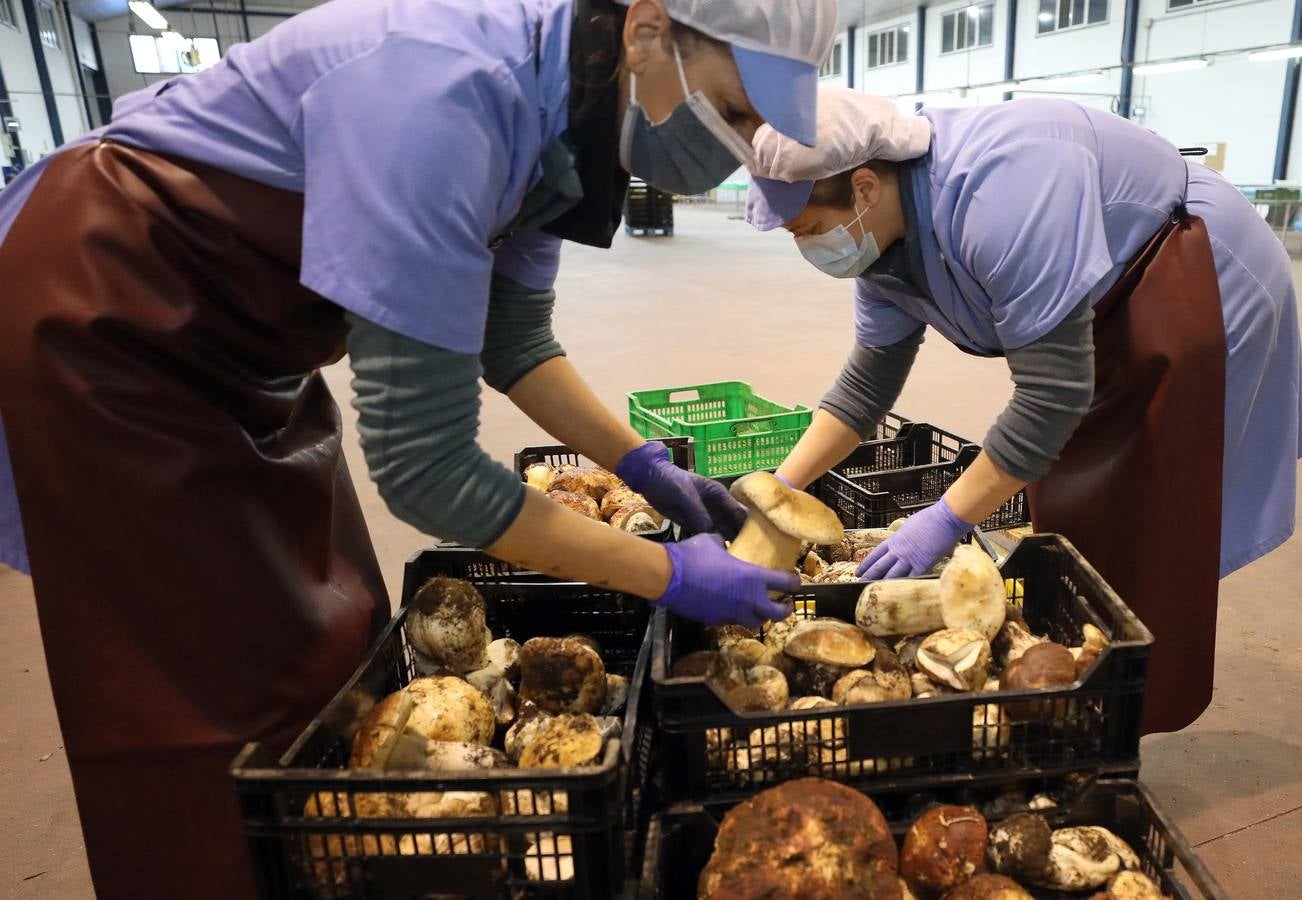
[830,642]
[900,606]
[989,887]
[637,519]
[566,740]
[943,848]
[579,503]
[594,483]
[618,498]
[446,627]
[972,592]
[1019,847]
[806,838]
[718,669]
[1045,665]
[1012,641]
[1094,643]
[1130,885]
[780,519]
[1085,857]
[562,675]
[958,657]
[765,690]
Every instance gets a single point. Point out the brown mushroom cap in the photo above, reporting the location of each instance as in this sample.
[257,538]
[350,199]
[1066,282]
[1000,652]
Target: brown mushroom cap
[1020,845]
[562,675]
[989,887]
[943,848]
[579,503]
[830,642]
[792,512]
[446,623]
[806,838]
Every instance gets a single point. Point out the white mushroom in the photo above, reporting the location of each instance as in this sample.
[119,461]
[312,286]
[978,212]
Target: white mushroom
[445,626]
[765,690]
[958,657]
[900,606]
[780,519]
[972,592]
[1084,857]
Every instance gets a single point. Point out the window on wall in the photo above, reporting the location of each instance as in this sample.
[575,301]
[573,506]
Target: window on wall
[48,24]
[833,64]
[173,54]
[1058,15]
[888,47]
[7,14]
[1185,4]
[967,28]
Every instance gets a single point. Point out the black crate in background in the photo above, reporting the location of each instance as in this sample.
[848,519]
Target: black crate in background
[963,738]
[681,841]
[648,211]
[680,452]
[341,855]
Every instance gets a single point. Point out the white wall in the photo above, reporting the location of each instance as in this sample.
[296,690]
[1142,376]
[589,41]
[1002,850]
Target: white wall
[61,65]
[982,65]
[114,41]
[898,78]
[1233,101]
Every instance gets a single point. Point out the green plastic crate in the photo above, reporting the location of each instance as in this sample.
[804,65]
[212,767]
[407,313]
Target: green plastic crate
[735,431]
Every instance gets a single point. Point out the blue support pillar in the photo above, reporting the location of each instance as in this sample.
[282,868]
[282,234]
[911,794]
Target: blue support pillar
[43,71]
[1288,110]
[1010,49]
[1129,35]
[921,48]
[849,57]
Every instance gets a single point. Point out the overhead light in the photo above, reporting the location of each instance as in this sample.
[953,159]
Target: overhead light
[1179,65]
[150,16]
[974,11]
[1291,52]
[1045,17]
[1057,81]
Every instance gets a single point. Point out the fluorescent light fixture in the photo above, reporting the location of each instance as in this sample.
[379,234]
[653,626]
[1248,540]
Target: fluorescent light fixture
[1056,81]
[974,11]
[1291,52]
[1178,65]
[150,16]
[1045,17]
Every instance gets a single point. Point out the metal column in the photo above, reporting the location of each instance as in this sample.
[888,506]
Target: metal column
[1288,109]
[76,61]
[100,80]
[849,57]
[1129,35]
[1010,46]
[921,47]
[43,71]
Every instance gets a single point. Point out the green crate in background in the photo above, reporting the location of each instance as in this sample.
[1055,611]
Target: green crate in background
[735,430]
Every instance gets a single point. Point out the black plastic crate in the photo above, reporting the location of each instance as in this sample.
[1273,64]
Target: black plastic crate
[681,841]
[964,738]
[333,853]
[648,211]
[680,451]
[911,444]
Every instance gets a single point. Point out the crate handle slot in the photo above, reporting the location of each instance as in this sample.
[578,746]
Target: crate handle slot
[752,427]
[685,396]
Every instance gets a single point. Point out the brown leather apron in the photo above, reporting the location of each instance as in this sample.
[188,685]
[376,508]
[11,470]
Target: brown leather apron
[202,569]
[1138,487]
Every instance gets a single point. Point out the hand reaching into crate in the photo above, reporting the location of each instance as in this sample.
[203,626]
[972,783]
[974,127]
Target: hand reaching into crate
[693,501]
[923,539]
[710,586]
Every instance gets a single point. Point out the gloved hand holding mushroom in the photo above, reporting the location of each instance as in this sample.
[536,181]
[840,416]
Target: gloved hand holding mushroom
[923,539]
[693,501]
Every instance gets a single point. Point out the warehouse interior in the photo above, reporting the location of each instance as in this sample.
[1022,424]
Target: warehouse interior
[714,301]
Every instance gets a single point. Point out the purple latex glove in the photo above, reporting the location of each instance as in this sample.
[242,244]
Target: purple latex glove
[923,539]
[712,587]
[693,501]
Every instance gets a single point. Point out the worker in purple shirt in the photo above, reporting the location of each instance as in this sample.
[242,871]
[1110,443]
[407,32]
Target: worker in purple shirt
[386,178]
[1146,313]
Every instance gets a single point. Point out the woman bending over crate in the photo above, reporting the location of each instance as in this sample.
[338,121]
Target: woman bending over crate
[1145,311]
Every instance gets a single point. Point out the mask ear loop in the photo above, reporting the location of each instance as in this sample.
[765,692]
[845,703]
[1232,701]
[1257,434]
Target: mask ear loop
[682,75]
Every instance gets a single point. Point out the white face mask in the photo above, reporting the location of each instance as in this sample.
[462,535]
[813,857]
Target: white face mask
[836,252]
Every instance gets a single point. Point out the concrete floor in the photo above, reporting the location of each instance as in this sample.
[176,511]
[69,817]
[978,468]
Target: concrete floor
[713,303]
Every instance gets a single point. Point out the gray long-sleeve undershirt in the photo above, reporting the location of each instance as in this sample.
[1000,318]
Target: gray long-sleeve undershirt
[418,416]
[1054,386]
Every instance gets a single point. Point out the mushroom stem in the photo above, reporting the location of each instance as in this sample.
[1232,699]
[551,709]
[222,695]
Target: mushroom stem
[762,543]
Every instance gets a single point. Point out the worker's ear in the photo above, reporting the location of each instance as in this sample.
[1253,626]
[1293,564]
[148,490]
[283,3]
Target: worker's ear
[866,185]
[645,24]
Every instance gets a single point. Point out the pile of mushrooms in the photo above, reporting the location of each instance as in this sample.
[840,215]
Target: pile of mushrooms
[478,703]
[813,837]
[912,638]
[597,494]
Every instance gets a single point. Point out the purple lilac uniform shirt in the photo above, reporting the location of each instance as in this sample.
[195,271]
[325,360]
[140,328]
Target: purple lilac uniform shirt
[413,128]
[1036,204]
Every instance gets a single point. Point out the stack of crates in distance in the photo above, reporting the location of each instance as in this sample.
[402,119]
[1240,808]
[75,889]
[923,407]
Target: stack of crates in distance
[648,211]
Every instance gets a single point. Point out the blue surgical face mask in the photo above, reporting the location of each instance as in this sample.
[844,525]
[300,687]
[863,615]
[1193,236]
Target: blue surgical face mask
[837,253]
[690,152]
